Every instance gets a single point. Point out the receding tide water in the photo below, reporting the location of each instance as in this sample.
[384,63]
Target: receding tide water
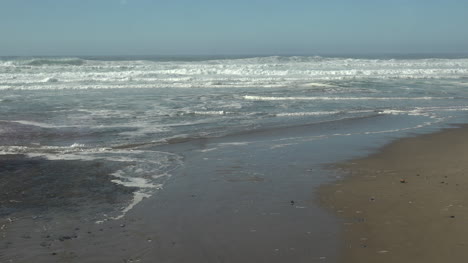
[124,119]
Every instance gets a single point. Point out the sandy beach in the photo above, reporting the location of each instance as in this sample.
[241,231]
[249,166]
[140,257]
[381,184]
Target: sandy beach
[406,203]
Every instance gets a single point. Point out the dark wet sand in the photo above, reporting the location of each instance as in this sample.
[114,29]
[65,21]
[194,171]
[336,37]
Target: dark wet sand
[238,199]
[406,203]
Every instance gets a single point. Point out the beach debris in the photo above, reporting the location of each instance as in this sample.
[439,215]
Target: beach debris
[323,258]
[54,254]
[403,181]
[452,216]
[122,225]
[131,260]
[292,202]
[417,175]
[63,238]
[44,244]
[372,199]
[383,251]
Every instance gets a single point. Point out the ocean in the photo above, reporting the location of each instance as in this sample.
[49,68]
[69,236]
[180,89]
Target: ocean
[122,110]
[251,137]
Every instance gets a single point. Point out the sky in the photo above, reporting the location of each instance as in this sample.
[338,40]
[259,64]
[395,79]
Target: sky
[235,27]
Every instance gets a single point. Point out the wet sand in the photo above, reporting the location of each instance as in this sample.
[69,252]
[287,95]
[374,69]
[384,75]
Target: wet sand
[246,198]
[406,203]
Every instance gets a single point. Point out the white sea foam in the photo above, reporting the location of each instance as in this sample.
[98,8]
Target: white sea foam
[50,80]
[37,124]
[311,113]
[316,84]
[208,150]
[269,98]
[221,112]
[233,144]
[269,72]
[276,146]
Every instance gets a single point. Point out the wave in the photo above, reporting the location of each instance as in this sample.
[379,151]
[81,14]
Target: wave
[258,72]
[268,98]
[50,80]
[37,124]
[48,62]
[303,114]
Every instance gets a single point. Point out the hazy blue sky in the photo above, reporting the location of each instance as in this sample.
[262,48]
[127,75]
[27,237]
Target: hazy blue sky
[126,27]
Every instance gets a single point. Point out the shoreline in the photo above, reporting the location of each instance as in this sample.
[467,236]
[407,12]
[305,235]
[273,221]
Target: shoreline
[245,198]
[406,203]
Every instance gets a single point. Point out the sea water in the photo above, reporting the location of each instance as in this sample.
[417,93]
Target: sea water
[124,110]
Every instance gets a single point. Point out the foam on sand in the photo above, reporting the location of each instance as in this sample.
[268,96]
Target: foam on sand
[145,171]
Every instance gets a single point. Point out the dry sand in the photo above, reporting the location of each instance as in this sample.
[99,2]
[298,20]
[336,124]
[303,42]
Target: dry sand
[406,203]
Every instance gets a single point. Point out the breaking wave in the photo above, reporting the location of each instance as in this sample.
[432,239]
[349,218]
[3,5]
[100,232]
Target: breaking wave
[267,98]
[265,72]
[53,61]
